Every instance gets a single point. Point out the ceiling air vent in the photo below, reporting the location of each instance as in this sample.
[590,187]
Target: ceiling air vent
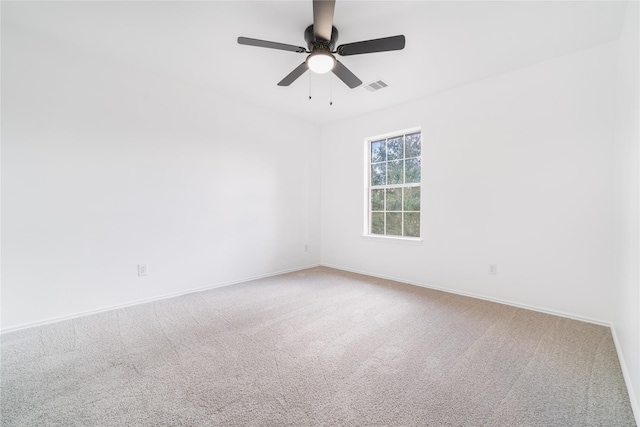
[377,85]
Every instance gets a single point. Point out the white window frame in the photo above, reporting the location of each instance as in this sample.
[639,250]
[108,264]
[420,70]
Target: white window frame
[367,190]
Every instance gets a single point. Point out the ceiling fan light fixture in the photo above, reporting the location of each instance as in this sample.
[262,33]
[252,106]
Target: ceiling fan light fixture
[321,38]
[321,62]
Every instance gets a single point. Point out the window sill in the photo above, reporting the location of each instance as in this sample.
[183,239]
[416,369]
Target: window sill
[416,241]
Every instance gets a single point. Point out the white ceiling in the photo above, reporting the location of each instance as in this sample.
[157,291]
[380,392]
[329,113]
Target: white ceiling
[448,43]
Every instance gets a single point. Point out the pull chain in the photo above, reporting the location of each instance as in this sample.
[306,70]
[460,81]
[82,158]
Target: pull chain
[331,89]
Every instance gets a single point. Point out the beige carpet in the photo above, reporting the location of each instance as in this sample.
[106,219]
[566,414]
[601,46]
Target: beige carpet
[317,347]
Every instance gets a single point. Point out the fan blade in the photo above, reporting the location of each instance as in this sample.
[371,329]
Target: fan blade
[271,45]
[292,76]
[345,75]
[370,46]
[323,18]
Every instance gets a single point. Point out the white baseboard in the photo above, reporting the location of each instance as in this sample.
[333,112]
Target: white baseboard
[477,296]
[152,299]
[633,397]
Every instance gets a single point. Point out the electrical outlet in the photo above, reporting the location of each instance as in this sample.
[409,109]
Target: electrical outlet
[142,269]
[493,268]
[306,248]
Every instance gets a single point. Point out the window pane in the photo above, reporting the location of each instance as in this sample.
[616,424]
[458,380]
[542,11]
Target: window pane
[412,170]
[394,223]
[394,199]
[412,224]
[378,151]
[395,171]
[378,174]
[377,200]
[413,145]
[395,148]
[412,199]
[377,223]
[395,185]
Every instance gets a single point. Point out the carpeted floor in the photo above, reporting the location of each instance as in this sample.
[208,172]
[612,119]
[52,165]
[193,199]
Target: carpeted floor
[316,347]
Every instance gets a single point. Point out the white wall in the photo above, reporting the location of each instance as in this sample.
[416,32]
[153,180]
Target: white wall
[106,165]
[626,316]
[517,171]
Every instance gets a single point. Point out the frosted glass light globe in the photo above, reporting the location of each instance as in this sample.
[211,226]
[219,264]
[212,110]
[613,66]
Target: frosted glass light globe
[321,63]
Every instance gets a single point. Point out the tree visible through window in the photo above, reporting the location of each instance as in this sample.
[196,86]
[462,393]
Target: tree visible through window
[394,185]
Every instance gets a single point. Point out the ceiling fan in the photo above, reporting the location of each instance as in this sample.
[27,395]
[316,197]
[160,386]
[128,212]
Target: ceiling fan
[321,38]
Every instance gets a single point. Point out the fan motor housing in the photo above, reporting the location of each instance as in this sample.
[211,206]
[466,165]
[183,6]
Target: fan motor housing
[312,42]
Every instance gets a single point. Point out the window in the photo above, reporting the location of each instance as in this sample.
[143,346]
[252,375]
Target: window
[394,185]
